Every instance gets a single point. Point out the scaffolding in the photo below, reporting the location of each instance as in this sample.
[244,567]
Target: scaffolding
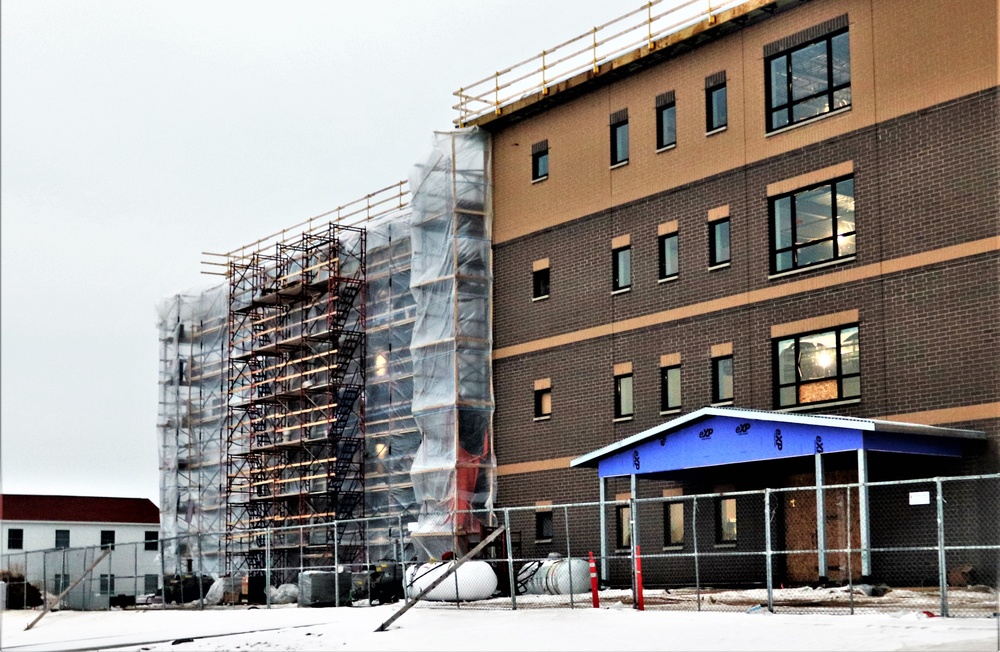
[294,385]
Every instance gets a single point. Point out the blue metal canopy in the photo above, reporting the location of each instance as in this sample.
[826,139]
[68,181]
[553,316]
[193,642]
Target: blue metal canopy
[715,436]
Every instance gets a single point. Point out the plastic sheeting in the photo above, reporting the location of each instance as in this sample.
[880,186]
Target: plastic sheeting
[192,412]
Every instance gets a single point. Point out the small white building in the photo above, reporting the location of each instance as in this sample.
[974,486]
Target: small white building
[51,540]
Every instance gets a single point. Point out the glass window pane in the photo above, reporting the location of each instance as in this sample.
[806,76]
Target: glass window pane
[852,387]
[676,523]
[720,253]
[810,108]
[719,116]
[845,245]
[779,81]
[546,406]
[841,59]
[845,206]
[813,215]
[625,396]
[623,275]
[783,261]
[815,253]
[786,362]
[669,256]
[543,165]
[621,143]
[779,118]
[727,519]
[809,68]
[841,98]
[787,396]
[783,223]
[674,388]
[668,125]
[724,379]
[849,360]
[818,356]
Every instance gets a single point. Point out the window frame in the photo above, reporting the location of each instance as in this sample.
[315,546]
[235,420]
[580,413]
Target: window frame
[665,407]
[714,241]
[543,519]
[614,137]
[66,534]
[661,143]
[106,584]
[542,154]
[623,527]
[154,540]
[19,539]
[107,539]
[794,248]
[540,394]
[721,535]
[540,279]
[789,105]
[717,398]
[616,267]
[662,262]
[711,126]
[150,583]
[839,376]
[619,406]
[668,520]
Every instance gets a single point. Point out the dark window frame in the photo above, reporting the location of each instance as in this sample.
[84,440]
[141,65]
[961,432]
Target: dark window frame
[66,536]
[662,264]
[540,395]
[616,269]
[540,283]
[661,142]
[721,536]
[150,582]
[107,584]
[789,104]
[619,406]
[15,538]
[107,539]
[537,159]
[717,377]
[151,543]
[615,136]
[839,375]
[714,255]
[665,388]
[544,526]
[668,540]
[711,124]
[623,527]
[834,238]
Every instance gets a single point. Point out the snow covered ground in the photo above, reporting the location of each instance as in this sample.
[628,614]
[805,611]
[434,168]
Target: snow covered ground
[421,628]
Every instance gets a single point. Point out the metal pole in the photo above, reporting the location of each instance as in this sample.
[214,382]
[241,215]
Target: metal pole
[163,573]
[569,556]
[336,566]
[135,570]
[694,537]
[201,573]
[634,535]
[603,484]
[850,571]
[767,549]
[111,575]
[510,560]
[820,520]
[267,566]
[942,561]
[866,560]
[45,574]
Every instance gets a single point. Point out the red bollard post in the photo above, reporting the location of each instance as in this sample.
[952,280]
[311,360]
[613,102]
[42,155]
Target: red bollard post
[593,582]
[641,604]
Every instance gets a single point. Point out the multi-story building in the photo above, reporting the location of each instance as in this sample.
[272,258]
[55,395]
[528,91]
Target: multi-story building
[783,206]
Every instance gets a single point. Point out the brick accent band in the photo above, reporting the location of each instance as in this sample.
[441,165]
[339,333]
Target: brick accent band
[623,368]
[815,323]
[722,350]
[667,228]
[543,383]
[670,360]
[621,241]
[809,178]
[718,213]
[539,265]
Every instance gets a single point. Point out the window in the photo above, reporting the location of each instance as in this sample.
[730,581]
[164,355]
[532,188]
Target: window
[543,402]
[666,121]
[722,379]
[623,528]
[673,524]
[812,225]
[151,582]
[670,388]
[817,367]
[15,538]
[621,261]
[540,283]
[60,583]
[619,137]
[62,538]
[715,102]
[725,522]
[107,584]
[152,540]
[718,242]
[543,526]
[809,79]
[623,396]
[540,161]
[668,256]
[108,539]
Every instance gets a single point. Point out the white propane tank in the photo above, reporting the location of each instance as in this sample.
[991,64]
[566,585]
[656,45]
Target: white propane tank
[476,581]
[555,576]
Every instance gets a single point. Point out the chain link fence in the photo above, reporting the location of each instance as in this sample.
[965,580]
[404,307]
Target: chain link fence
[914,545]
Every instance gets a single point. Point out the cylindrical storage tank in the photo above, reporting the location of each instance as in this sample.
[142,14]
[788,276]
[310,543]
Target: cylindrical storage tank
[555,576]
[475,581]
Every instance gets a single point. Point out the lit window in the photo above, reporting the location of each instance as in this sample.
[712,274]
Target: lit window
[540,161]
[623,528]
[621,262]
[540,283]
[619,137]
[152,540]
[718,245]
[673,524]
[62,538]
[726,520]
[809,79]
[669,265]
[666,121]
[813,225]
[543,526]
[817,367]
[15,538]
[722,379]
[623,396]
[716,110]
[108,539]
[670,388]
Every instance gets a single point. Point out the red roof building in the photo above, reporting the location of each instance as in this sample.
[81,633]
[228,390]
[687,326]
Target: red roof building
[78,509]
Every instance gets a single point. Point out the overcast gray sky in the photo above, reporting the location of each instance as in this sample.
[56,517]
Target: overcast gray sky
[137,134]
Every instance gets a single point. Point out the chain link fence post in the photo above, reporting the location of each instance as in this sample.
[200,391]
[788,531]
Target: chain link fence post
[510,560]
[694,538]
[767,550]
[569,555]
[267,566]
[336,566]
[942,563]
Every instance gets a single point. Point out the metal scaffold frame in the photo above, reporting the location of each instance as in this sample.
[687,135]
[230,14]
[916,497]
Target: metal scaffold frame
[295,392]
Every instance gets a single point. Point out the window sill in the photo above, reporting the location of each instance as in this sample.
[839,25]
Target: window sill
[622,419]
[674,548]
[819,406]
[806,123]
[623,551]
[621,291]
[725,545]
[724,265]
[541,298]
[664,413]
[669,279]
[667,148]
[717,130]
[540,179]
[543,540]
[618,165]
[721,403]
[809,268]
[545,418]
